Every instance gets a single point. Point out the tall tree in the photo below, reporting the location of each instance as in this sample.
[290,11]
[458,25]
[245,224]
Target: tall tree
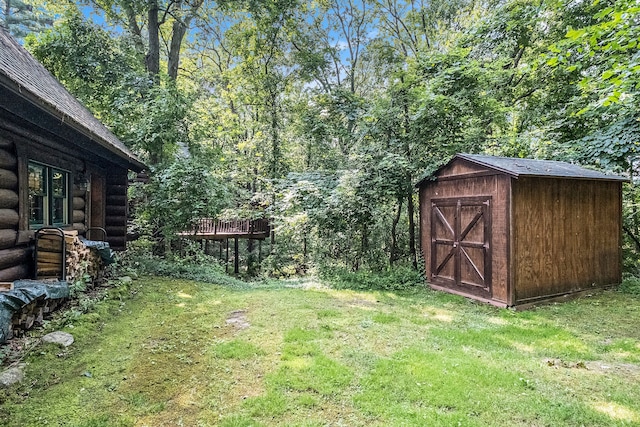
[165,24]
[20,17]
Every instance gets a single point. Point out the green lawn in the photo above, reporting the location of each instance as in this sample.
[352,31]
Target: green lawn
[181,353]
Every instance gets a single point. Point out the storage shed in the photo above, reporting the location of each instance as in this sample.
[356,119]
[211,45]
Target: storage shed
[514,232]
[59,166]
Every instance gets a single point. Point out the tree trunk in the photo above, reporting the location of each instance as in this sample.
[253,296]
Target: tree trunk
[393,256]
[153,55]
[180,27]
[412,230]
[134,28]
[364,246]
[251,258]
[409,180]
[275,141]
[179,30]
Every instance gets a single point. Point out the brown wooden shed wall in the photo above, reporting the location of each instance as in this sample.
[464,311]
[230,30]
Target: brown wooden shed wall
[566,236]
[464,179]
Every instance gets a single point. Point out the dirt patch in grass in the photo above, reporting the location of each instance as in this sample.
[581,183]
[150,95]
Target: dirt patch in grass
[238,319]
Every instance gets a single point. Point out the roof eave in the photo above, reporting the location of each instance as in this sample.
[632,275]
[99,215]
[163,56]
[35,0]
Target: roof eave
[485,164]
[135,164]
[433,177]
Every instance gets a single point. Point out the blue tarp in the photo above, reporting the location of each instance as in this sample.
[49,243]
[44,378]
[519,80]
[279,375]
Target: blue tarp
[24,292]
[103,249]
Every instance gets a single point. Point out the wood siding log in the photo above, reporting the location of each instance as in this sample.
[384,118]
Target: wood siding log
[78,216]
[116,190]
[116,241]
[116,230]
[7,160]
[8,199]
[5,142]
[8,238]
[9,218]
[78,192]
[79,226]
[484,184]
[120,200]
[17,272]
[116,220]
[8,179]
[78,203]
[114,210]
[118,179]
[14,256]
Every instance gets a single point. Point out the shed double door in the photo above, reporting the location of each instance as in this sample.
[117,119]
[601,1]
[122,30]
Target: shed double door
[460,244]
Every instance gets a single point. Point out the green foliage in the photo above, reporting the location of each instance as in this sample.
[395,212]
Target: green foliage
[605,51]
[403,279]
[630,285]
[79,285]
[614,147]
[22,17]
[323,115]
[207,272]
[97,68]
[179,194]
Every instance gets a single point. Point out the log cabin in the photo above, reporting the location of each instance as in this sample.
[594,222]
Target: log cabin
[59,165]
[516,232]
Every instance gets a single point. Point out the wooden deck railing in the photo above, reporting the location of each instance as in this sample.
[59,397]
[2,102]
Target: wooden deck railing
[212,226]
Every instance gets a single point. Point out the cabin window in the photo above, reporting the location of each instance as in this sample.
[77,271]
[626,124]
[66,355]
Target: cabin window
[48,196]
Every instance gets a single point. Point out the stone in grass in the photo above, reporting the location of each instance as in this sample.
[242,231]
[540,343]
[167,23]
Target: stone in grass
[62,338]
[12,376]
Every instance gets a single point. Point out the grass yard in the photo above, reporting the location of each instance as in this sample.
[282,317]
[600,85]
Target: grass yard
[182,353]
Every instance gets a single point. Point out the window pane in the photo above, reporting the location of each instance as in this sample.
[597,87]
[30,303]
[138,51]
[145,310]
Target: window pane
[48,196]
[37,194]
[59,183]
[59,210]
[37,179]
[59,197]
[37,209]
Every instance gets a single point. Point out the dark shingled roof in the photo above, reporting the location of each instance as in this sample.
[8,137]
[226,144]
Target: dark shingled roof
[539,168]
[517,167]
[21,70]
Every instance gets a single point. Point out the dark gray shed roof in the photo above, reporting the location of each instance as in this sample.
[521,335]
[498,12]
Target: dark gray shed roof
[517,167]
[540,168]
[22,73]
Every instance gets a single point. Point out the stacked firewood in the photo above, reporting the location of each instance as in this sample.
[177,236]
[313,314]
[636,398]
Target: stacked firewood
[34,312]
[80,260]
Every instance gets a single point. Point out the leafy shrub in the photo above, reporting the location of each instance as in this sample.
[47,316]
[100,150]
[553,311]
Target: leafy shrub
[630,285]
[398,279]
[206,271]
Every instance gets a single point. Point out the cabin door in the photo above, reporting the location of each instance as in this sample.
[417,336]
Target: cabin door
[460,244]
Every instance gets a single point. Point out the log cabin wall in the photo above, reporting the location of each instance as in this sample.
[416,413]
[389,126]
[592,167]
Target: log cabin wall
[41,122]
[116,209]
[17,148]
[567,236]
[79,202]
[463,179]
[15,256]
